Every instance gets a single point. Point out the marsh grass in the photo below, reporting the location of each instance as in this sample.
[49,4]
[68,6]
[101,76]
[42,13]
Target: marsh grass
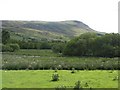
[46,59]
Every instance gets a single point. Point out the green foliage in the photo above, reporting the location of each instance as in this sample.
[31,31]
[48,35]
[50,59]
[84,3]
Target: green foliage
[10,47]
[77,85]
[34,45]
[6,48]
[107,45]
[5,36]
[14,47]
[42,79]
[46,59]
[39,31]
[56,69]
[73,70]
[70,47]
[45,45]
[80,46]
[116,78]
[58,48]
[55,77]
[89,44]
[86,84]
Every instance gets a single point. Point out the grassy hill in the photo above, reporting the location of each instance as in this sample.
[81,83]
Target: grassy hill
[38,30]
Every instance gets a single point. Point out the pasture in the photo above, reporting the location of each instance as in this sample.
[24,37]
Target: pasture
[34,69]
[43,79]
[46,59]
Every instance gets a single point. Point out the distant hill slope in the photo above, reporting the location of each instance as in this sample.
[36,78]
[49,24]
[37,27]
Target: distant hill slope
[37,30]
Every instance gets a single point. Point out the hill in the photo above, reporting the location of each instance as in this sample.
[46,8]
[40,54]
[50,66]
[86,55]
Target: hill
[42,30]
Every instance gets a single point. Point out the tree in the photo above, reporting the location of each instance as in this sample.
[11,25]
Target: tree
[5,36]
[14,47]
[10,47]
[89,44]
[58,48]
[45,45]
[70,47]
[107,45]
[80,46]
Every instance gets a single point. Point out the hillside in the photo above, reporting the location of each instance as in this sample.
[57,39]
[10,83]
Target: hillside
[42,30]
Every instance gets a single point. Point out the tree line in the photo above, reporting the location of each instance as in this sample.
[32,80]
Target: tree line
[88,44]
[10,45]
[91,44]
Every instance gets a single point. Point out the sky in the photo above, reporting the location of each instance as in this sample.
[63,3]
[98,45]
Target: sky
[100,15]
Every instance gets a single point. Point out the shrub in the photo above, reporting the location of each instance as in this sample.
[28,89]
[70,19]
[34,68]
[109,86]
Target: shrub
[77,85]
[45,45]
[5,36]
[56,69]
[10,47]
[55,77]
[14,47]
[73,70]
[90,44]
[6,48]
[86,84]
[115,78]
[58,48]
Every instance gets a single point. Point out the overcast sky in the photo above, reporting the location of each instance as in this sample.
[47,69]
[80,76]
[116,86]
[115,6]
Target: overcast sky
[100,15]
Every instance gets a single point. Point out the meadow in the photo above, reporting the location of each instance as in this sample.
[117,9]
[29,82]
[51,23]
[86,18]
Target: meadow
[34,69]
[43,79]
[46,59]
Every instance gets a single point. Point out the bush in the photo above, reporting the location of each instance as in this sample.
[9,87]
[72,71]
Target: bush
[6,48]
[45,45]
[73,70]
[58,48]
[89,44]
[10,47]
[14,47]
[77,85]
[86,84]
[5,36]
[55,77]
[56,69]
[115,78]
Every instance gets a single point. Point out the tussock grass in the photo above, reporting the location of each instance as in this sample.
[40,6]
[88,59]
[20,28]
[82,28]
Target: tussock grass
[46,59]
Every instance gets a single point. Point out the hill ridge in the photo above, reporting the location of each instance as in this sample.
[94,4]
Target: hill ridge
[46,29]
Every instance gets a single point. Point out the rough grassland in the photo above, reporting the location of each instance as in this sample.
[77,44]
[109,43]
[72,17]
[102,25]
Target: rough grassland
[46,59]
[41,59]
[42,78]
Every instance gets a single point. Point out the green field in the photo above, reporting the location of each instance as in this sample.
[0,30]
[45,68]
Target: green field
[43,79]
[46,59]
[58,55]
[34,69]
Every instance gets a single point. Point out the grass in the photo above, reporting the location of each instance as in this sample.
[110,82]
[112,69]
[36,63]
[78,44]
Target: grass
[46,59]
[33,52]
[49,30]
[42,79]
[20,33]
